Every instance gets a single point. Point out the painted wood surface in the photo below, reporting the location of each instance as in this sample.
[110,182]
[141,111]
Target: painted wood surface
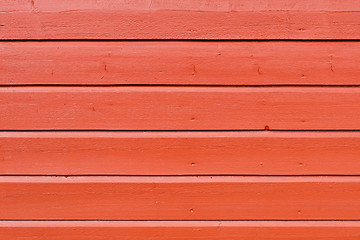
[180,153]
[200,19]
[186,63]
[180,198]
[180,230]
[179,108]
[131,119]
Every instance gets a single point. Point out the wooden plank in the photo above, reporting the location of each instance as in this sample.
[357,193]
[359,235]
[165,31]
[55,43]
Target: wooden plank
[179,108]
[179,198]
[180,153]
[188,63]
[200,19]
[180,230]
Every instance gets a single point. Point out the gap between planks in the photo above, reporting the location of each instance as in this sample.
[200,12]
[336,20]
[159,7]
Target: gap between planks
[178,133]
[179,85]
[174,88]
[178,175]
[178,223]
[177,179]
[177,40]
[103,131]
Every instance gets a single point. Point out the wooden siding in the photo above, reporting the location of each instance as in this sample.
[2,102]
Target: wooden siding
[180,198]
[180,63]
[183,120]
[180,108]
[180,153]
[190,19]
[179,230]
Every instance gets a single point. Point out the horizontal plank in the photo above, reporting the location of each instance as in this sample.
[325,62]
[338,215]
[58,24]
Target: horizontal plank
[180,230]
[200,19]
[180,198]
[180,153]
[190,63]
[179,108]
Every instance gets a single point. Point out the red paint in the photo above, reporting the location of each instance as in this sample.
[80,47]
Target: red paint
[180,153]
[180,198]
[203,96]
[200,19]
[179,230]
[186,63]
[179,108]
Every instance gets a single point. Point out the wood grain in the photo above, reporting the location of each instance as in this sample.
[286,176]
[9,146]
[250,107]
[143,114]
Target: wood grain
[179,153]
[179,108]
[187,63]
[179,230]
[200,19]
[179,198]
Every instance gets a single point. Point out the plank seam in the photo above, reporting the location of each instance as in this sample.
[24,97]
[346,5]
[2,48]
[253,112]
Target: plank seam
[165,130]
[181,85]
[180,175]
[154,220]
[176,178]
[176,40]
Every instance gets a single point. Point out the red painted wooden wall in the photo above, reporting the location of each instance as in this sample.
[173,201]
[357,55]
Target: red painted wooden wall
[180,119]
